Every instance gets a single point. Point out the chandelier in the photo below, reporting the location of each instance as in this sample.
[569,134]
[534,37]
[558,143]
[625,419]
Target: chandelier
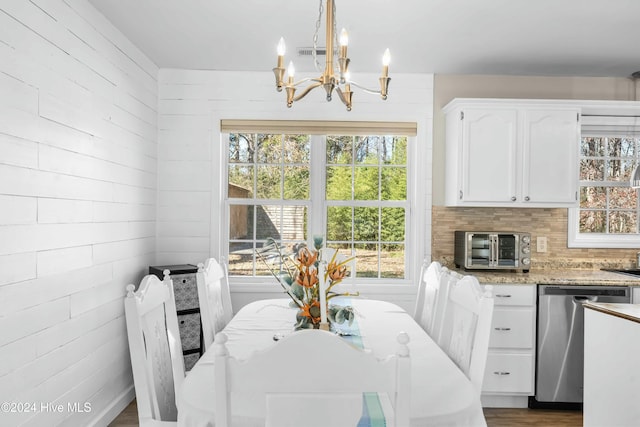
[331,78]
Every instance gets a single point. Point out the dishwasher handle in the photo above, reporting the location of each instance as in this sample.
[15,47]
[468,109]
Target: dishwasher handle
[582,298]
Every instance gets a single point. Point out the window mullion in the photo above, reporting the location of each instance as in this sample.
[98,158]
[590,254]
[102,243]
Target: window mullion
[317,210]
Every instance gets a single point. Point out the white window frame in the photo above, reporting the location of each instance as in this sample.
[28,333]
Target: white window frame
[414,227]
[603,124]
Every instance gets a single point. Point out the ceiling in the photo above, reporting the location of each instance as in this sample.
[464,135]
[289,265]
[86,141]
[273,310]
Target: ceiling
[510,37]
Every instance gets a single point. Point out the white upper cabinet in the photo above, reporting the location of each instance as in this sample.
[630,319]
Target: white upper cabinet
[517,153]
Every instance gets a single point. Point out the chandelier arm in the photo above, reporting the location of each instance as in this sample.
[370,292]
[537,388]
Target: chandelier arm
[371,91]
[307,79]
[307,90]
[384,86]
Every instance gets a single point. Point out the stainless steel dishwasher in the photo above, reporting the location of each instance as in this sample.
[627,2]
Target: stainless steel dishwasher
[560,353]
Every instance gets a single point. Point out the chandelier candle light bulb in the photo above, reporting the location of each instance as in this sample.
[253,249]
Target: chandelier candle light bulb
[282,49]
[291,71]
[344,42]
[343,61]
[291,90]
[386,59]
[279,70]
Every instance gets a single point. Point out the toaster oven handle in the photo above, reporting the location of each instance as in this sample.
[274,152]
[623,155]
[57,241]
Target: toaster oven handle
[493,252]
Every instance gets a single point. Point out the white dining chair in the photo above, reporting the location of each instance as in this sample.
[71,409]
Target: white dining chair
[467,325]
[447,279]
[419,306]
[214,297]
[155,348]
[314,378]
[427,311]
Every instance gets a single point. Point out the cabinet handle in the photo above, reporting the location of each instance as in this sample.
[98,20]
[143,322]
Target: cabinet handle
[503,296]
[460,194]
[527,198]
[513,199]
[501,373]
[502,329]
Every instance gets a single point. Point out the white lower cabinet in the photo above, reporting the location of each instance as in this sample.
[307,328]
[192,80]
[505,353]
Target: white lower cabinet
[510,370]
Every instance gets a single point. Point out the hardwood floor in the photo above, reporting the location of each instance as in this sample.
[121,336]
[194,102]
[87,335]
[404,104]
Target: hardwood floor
[496,417]
[516,417]
[128,417]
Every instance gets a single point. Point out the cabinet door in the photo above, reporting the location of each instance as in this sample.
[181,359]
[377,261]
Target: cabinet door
[550,144]
[489,139]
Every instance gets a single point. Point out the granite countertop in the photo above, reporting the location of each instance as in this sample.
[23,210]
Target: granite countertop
[576,277]
[625,311]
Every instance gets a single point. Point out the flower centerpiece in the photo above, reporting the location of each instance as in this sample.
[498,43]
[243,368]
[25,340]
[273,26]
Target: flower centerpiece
[310,281]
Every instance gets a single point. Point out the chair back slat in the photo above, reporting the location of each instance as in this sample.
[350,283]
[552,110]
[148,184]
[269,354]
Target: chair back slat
[226,292]
[418,309]
[214,297]
[430,306]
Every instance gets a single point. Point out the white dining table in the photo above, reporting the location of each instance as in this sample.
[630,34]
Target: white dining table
[441,395]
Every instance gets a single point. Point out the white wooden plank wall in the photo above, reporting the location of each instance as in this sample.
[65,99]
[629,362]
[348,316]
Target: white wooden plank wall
[78,190]
[191,104]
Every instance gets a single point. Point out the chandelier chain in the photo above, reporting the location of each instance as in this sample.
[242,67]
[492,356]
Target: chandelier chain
[335,32]
[315,36]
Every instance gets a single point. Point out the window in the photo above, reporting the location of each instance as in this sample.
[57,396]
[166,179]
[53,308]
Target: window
[350,188]
[366,201]
[607,203]
[608,214]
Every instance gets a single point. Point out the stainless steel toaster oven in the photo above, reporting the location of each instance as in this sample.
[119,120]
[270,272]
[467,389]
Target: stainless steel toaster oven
[490,250]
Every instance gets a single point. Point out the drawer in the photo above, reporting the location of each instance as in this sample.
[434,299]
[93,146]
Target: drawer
[514,295]
[185,291]
[512,328]
[189,326]
[508,373]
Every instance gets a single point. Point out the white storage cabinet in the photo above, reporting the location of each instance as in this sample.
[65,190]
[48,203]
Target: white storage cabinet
[511,153]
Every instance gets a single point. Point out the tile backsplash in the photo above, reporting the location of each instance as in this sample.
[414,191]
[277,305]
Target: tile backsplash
[549,223]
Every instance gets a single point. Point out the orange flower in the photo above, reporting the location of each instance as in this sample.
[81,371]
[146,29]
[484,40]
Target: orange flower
[307,278]
[312,311]
[335,272]
[306,257]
